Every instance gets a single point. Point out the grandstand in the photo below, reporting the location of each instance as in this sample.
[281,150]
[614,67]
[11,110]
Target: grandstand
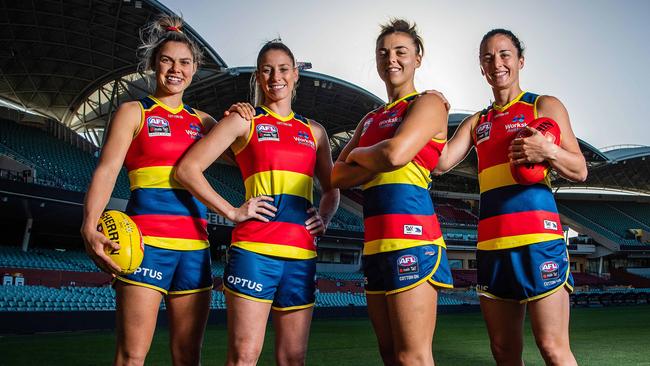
[49,146]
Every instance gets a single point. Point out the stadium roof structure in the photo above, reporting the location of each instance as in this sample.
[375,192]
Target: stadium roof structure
[75,61]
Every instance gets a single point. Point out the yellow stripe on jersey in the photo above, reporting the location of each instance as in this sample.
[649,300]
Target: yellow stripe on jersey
[175,243]
[276,250]
[154,177]
[510,104]
[388,245]
[391,105]
[495,177]
[514,241]
[410,173]
[278,182]
[498,176]
[166,107]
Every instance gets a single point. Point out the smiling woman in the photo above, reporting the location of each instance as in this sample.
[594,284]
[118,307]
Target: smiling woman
[271,262]
[522,256]
[149,137]
[391,154]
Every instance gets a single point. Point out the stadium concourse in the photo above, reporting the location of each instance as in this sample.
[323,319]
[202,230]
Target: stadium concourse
[69,64]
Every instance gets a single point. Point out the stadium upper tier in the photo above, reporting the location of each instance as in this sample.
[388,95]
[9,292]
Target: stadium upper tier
[613,220]
[60,163]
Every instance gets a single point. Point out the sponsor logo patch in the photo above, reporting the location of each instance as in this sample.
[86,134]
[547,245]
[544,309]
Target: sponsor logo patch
[267,133]
[244,283]
[517,124]
[194,131]
[158,126]
[303,139]
[407,263]
[483,132]
[412,229]
[391,120]
[549,270]
[148,272]
[550,225]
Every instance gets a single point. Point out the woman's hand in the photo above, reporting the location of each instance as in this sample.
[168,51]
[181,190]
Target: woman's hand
[315,224]
[534,148]
[95,243]
[245,110]
[254,208]
[441,96]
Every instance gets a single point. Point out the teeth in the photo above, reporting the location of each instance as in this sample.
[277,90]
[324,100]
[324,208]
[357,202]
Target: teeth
[174,79]
[277,86]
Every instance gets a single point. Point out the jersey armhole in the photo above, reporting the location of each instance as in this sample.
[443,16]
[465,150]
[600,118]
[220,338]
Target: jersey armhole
[535,115]
[235,147]
[141,124]
[312,132]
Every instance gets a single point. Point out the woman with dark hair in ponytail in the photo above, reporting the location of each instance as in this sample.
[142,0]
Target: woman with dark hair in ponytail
[271,262]
[149,137]
[391,154]
[522,257]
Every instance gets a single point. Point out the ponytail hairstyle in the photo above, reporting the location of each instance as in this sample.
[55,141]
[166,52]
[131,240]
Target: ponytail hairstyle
[160,31]
[257,96]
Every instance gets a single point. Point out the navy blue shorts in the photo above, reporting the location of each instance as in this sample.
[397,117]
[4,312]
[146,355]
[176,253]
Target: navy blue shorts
[524,273]
[172,272]
[400,270]
[288,284]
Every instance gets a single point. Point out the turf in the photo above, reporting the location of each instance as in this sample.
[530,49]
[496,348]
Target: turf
[600,336]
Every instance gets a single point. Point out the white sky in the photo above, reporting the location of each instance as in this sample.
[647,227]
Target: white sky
[593,55]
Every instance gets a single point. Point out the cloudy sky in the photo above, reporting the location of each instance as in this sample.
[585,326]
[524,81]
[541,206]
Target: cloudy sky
[593,55]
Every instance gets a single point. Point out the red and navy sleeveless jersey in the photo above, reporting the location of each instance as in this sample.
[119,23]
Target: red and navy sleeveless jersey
[397,209]
[511,214]
[278,160]
[166,213]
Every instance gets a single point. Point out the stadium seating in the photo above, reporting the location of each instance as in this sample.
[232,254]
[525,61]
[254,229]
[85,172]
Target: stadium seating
[643,272]
[599,218]
[14,257]
[585,279]
[70,168]
[459,234]
[639,211]
[450,214]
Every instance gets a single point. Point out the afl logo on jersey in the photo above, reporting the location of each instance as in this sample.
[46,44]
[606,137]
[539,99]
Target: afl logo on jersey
[267,133]
[483,132]
[407,264]
[158,126]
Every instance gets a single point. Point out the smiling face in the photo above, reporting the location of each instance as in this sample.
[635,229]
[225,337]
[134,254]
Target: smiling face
[500,62]
[175,67]
[397,58]
[276,75]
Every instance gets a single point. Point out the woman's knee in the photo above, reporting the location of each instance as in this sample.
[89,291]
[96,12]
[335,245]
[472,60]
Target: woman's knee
[506,351]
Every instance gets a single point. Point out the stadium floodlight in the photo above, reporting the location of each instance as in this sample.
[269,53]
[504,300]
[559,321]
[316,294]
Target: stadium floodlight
[303,65]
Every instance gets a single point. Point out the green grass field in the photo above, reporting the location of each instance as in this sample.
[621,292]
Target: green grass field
[601,336]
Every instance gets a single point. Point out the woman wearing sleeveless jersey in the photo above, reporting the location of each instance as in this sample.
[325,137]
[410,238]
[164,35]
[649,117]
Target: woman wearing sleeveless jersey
[522,256]
[392,153]
[149,136]
[271,262]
